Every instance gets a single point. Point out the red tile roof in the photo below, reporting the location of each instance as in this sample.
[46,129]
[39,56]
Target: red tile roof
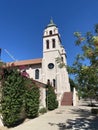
[25,62]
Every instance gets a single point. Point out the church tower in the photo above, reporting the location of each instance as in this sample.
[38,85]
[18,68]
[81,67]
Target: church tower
[54,56]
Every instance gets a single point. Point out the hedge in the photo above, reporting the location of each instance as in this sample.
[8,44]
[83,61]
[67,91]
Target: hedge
[20,97]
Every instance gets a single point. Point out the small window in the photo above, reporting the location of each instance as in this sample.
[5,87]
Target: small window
[47,44]
[48,81]
[53,82]
[50,32]
[37,74]
[53,43]
[62,59]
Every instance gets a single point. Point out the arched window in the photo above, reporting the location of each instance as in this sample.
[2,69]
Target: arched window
[53,43]
[47,44]
[37,74]
[50,32]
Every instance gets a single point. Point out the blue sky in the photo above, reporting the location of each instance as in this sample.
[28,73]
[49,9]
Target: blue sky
[22,23]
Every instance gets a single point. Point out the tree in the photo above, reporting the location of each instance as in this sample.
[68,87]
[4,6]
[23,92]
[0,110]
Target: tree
[12,96]
[85,67]
[19,96]
[60,62]
[32,96]
[72,84]
[51,99]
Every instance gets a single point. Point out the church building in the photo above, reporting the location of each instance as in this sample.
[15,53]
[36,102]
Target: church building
[51,68]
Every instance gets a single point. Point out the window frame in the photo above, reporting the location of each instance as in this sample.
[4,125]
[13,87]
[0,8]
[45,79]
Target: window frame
[50,32]
[53,43]
[54,83]
[36,73]
[47,44]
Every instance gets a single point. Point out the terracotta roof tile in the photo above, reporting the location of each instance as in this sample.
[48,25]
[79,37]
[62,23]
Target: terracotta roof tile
[25,62]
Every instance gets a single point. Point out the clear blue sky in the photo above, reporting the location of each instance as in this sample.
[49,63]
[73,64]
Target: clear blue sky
[22,23]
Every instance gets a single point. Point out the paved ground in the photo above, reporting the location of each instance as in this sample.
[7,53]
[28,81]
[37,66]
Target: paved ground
[63,118]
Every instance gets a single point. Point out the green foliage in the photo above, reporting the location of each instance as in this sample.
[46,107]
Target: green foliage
[51,101]
[85,67]
[72,84]
[20,97]
[31,99]
[42,110]
[12,91]
[60,62]
[79,38]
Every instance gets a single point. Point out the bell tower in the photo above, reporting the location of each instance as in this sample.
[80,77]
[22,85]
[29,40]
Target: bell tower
[53,49]
[51,38]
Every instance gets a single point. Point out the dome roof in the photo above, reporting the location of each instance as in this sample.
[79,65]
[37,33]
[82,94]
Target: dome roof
[51,23]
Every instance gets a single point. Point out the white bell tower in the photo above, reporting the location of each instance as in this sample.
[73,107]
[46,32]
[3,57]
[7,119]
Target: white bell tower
[53,49]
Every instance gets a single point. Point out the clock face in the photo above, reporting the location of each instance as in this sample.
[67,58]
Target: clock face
[50,65]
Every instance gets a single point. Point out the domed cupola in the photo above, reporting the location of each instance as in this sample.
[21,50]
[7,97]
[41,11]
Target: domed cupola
[51,29]
[51,23]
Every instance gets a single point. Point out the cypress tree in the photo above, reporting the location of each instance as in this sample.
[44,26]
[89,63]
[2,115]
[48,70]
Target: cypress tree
[51,100]
[31,99]
[12,96]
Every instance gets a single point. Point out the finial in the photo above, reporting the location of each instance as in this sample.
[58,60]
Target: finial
[51,21]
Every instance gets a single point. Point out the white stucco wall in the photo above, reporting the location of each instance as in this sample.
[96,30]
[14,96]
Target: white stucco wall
[49,56]
[31,71]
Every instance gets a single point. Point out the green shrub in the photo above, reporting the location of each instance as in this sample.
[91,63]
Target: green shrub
[51,100]
[31,99]
[94,110]
[43,110]
[12,97]
[20,97]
